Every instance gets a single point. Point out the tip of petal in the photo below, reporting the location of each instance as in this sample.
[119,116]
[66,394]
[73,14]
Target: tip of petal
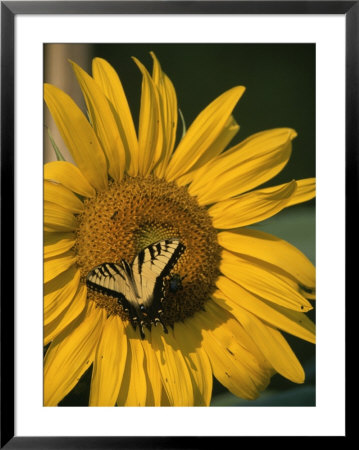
[98,59]
[50,87]
[77,69]
[239,90]
[140,66]
[75,66]
[71,62]
[292,134]
[136,60]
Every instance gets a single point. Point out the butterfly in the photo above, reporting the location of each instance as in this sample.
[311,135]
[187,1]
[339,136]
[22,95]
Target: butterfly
[139,287]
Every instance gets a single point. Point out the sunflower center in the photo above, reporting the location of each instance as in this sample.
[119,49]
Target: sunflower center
[147,251]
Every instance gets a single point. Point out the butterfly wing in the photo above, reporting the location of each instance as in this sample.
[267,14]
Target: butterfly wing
[139,287]
[114,280]
[150,267]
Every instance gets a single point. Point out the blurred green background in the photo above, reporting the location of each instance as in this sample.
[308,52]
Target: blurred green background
[280,82]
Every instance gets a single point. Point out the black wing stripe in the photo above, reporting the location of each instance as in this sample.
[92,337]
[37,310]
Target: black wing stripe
[104,290]
[108,270]
[115,268]
[173,259]
[157,291]
[141,258]
[129,272]
[127,268]
[152,252]
[101,270]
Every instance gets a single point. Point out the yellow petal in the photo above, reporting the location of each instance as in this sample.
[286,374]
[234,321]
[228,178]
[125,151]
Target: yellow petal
[252,207]
[169,114]
[228,132]
[273,346]
[293,370]
[306,292]
[170,129]
[254,357]
[233,365]
[230,129]
[299,319]
[157,73]
[197,362]
[52,288]
[68,316]
[70,355]
[133,391]
[108,80]
[57,243]
[137,391]
[164,398]
[269,248]
[292,322]
[305,191]
[174,372]
[59,282]
[56,193]
[58,218]
[169,98]
[261,282]
[55,266]
[70,176]
[203,133]
[109,364]
[103,122]
[245,350]
[78,136]
[150,130]
[57,295]
[244,167]
[154,391]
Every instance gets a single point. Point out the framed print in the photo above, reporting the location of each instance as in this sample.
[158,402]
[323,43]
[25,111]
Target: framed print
[175,182]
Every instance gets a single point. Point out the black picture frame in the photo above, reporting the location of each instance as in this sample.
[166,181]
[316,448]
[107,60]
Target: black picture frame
[9,10]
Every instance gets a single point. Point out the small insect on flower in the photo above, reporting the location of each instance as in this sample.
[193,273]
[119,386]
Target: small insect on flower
[113,217]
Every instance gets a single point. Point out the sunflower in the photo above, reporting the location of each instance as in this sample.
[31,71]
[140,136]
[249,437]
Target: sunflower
[224,293]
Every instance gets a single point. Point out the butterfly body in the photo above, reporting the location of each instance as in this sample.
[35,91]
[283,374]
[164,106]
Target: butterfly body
[139,287]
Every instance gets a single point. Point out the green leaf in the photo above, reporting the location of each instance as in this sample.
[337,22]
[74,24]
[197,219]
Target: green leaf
[59,155]
[184,129]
